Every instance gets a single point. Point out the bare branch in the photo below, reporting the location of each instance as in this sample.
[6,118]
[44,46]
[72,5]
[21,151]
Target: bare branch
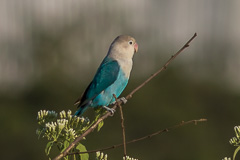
[78,139]
[145,137]
[122,124]
[163,67]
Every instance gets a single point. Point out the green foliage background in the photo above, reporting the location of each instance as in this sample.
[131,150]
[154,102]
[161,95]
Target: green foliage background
[154,107]
[51,65]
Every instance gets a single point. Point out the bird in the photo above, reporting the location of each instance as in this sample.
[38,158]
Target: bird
[111,77]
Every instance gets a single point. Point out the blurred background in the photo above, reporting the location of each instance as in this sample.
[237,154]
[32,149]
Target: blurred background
[50,50]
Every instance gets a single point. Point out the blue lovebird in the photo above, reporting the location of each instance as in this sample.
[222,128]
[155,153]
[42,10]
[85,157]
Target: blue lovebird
[111,77]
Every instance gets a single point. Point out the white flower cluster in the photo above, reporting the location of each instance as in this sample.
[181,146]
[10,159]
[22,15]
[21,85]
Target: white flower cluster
[51,127]
[62,123]
[101,156]
[236,140]
[128,158]
[67,127]
[45,116]
[226,158]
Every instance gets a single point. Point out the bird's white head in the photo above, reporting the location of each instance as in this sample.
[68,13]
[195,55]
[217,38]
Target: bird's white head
[123,47]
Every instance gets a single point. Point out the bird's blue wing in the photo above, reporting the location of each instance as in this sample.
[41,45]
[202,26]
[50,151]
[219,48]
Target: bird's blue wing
[106,75]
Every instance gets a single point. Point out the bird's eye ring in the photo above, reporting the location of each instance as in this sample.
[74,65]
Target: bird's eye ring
[130,42]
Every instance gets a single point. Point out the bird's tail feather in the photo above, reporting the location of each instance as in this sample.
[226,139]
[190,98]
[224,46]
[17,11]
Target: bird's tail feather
[80,111]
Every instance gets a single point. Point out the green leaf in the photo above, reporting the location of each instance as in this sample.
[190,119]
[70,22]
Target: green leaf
[100,125]
[65,144]
[48,147]
[82,148]
[76,157]
[235,152]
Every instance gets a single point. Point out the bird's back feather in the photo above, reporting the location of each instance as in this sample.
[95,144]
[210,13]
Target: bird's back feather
[105,76]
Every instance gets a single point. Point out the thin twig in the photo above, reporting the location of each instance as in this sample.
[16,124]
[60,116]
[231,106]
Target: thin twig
[161,69]
[123,128]
[145,137]
[66,151]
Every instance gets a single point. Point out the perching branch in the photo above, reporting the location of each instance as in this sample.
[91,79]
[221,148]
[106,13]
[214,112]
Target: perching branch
[145,137]
[123,128]
[78,139]
[163,67]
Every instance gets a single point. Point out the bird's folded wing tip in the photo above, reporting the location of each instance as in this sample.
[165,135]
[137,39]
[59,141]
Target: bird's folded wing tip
[77,102]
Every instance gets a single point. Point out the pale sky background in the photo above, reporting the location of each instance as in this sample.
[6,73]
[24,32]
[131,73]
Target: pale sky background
[50,51]
[84,30]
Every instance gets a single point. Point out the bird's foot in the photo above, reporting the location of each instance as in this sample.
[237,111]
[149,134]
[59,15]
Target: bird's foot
[123,99]
[111,110]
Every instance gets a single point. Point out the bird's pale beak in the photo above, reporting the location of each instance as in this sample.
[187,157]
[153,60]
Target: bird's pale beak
[135,47]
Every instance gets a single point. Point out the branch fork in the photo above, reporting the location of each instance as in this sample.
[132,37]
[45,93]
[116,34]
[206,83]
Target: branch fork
[78,139]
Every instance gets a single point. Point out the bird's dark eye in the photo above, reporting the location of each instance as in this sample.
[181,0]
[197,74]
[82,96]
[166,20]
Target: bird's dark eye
[130,42]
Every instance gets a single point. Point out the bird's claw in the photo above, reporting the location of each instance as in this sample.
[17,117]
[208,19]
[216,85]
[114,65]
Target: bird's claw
[111,110]
[123,99]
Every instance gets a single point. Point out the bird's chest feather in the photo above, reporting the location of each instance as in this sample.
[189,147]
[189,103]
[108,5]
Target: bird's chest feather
[125,67]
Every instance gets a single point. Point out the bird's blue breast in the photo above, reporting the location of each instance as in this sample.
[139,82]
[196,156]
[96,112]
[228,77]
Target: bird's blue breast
[106,96]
